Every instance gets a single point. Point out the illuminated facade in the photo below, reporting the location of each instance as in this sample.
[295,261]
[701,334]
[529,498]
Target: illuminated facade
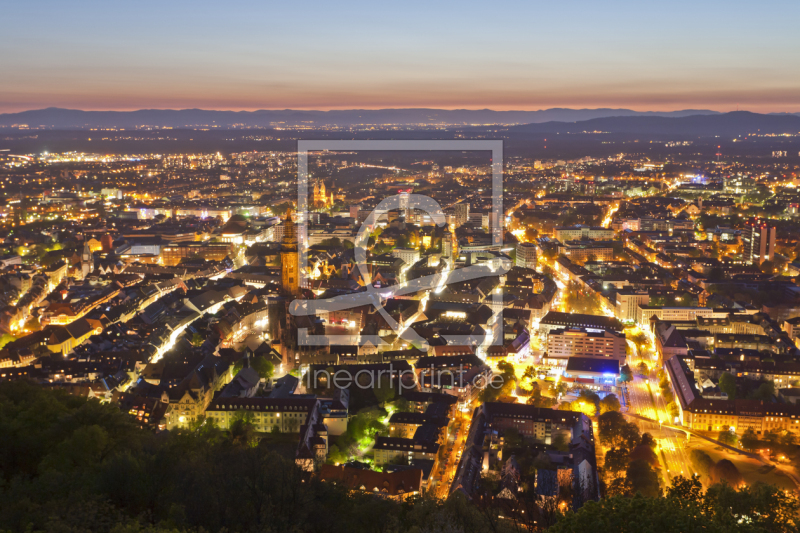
[759,241]
[290,261]
[321,198]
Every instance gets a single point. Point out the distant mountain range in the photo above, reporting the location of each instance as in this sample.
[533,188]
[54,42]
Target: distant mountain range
[72,118]
[726,124]
[694,122]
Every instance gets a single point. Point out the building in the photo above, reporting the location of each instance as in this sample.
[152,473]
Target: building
[603,373]
[461,211]
[536,423]
[647,313]
[758,237]
[65,338]
[792,328]
[406,425]
[698,413]
[285,415]
[669,341]
[290,260]
[628,301]
[408,255]
[538,427]
[571,342]
[447,245]
[557,319]
[526,255]
[395,485]
[580,232]
[585,251]
[321,199]
[403,451]
[173,254]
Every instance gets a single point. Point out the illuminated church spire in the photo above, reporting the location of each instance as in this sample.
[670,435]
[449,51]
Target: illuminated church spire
[290,260]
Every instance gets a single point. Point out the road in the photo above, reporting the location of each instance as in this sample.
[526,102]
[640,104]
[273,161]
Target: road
[646,405]
[446,468]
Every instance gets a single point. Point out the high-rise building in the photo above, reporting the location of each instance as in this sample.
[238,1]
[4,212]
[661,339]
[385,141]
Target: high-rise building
[526,255]
[290,261]
[404,199]
[462,213]
[447,245]
[759,241]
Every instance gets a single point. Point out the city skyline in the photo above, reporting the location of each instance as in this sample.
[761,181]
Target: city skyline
[396,267]
[714,55]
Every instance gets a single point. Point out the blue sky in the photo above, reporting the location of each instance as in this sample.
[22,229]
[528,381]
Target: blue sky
[327,55]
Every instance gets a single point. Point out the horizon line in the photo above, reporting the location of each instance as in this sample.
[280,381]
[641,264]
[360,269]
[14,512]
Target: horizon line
[333,109]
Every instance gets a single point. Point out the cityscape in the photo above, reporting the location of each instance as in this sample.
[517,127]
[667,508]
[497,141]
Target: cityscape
[347,306]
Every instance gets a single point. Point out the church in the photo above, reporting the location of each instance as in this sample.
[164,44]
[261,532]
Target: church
[320,198]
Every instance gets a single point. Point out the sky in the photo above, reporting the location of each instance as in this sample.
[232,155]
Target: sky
[526,55]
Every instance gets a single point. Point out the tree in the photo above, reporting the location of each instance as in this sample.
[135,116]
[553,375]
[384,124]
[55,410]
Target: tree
[242,430]
[335,455]
[537,400]
[264,368]
[333,242]
[701,462]
[727,436]
[530,373]
[726,472]
[686,508]
[561,443]
[559,388]
[765,391]
[768,267]
[771,437]
[586,403]
[609,403]
[643,478]
[507,369]
[617,432]
[673,410]
[727,384]
[197,339]
[384,392]
[512,438]
[616,461]
[643,452]
[687,489]
[749,439]
[501,384]
[625,374]
[788,438]
[5,339]
[71,463]
[402,405]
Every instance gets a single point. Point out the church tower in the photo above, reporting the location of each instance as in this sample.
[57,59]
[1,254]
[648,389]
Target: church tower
[290,262]
[320,198]
[87,261]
